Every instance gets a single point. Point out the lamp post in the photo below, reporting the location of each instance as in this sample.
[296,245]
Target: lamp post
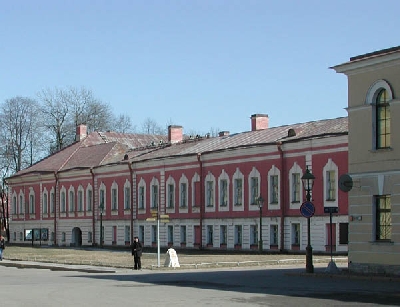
[101,207]
[260,202]
[308,182]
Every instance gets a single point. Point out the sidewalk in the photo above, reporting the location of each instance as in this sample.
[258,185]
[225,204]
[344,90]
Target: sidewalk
[56,266]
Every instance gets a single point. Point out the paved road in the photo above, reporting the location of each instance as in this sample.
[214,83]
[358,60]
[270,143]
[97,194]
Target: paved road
[274,286]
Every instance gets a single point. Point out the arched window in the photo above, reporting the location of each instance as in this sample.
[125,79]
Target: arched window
[379,96]
[382,120]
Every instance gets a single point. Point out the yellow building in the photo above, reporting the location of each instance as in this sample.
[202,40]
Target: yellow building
[374,160]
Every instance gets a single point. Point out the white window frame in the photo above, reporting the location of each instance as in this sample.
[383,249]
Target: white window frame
[223,197]
[295,169]
[330,166]
[114,196]
[209,191]
[252,198]
[274,171]
[142,195]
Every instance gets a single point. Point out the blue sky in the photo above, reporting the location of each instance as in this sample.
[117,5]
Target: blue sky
[201,64]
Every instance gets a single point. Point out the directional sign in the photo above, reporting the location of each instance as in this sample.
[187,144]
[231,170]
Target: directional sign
[151,219]
[154,213]
[331,209]
[307,209]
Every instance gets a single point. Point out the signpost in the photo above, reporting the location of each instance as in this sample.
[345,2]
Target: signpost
[157,217]
[307,209]
[332,268]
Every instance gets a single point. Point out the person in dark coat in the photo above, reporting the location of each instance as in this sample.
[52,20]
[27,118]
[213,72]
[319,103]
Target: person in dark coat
[137,253]
[2,247]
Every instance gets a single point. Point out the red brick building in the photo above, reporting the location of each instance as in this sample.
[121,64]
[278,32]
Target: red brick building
[208,186]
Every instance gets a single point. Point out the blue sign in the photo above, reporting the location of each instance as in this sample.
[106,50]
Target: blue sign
[307,209]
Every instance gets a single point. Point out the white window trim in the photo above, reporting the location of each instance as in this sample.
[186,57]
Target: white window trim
[274,171]
[223,176]
[296,169]
[238,175]
[331,166]
[142,184]
[21,204]
[254,173]
[45,196]
[80,189]
[371,97]
[183,179]
[195,178]
[154,182]
[127,185]
[87,203]
[32,204]
[63,190]
[71,189]
[114,186]
[209,177]
[103,188]
[170,181]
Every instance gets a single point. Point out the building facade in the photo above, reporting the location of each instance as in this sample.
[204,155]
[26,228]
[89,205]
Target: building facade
[374,160]
[105,190]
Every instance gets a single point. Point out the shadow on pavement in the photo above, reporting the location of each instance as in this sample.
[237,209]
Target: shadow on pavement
[283,282]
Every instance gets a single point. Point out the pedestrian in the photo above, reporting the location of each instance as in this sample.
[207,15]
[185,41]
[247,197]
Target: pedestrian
[2,247]
[137,253]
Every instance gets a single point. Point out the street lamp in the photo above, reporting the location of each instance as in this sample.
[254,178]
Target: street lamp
[308,182]
[260,202]
[101,207]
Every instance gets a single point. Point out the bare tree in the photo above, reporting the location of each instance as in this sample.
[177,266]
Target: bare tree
[55,108]
[123,124]
[99,116]
[18,125]
[150,126]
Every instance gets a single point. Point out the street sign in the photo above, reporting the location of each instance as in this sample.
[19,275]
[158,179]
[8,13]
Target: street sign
[331,209]
[151,219]
[307,209]
[154,213]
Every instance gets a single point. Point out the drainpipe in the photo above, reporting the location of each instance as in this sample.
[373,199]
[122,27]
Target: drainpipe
[282,194]
[55,207]
[131,198]
[201,199]
[93,215]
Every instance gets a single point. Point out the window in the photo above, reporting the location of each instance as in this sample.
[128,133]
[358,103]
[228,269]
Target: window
[210,234]
[14,201]
[21,204]
[296,234]
[114,199]
[80,200]
[52,202]
[253,234]
[71,201]
[44,203]
[382,120]
[102,199]
[32,203]
[295,187]
[343,233]
[383,217]
[171,198]
[153,234]
[89,200]
[154,189]
[274,234]
[21,236]
[223,185]
[330,185]
[223,234]
[127,198]
[210,194]
[170,234]
[114,235]
[183,234]
[238,234]
[90,237]
[238,191]
[141,234]
[63,237]
[141,197]
[254,190]
[127,234]
[14,236]
[183,195]
[274,189]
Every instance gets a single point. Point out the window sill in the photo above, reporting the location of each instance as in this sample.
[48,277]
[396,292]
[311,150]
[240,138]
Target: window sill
[296,202]
[238,205]
[274,203]
[382,242]
[377,150]
[210,206]
[330,200]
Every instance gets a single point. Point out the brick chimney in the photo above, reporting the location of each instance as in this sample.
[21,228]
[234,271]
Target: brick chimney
[81,132]
[259,122]
[175,134]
